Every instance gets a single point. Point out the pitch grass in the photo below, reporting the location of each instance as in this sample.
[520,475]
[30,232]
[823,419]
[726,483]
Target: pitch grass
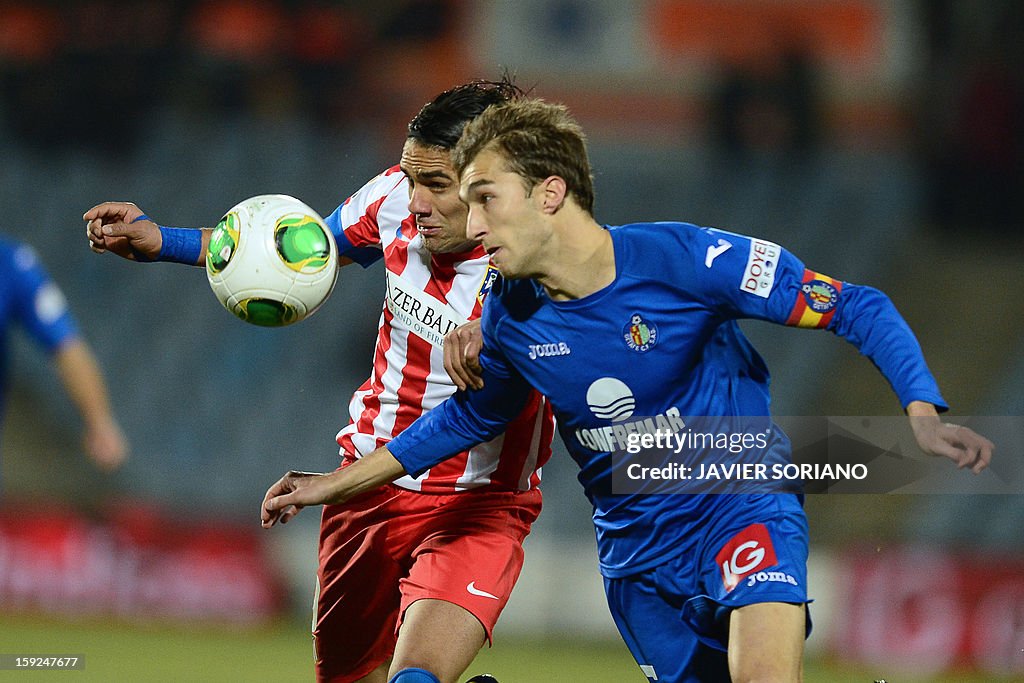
[119,651]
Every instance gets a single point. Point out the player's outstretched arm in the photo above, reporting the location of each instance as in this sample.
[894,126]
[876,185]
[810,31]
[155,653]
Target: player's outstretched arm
[296,490]
[960,444]
[462,355]
[124,229]
[80,374]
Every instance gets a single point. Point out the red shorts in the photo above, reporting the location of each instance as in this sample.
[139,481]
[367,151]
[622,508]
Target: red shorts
[388,548]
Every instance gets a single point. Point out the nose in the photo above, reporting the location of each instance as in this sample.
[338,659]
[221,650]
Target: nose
[476,227]
[419,201]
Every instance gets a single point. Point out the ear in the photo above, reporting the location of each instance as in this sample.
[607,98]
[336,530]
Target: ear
[552,193]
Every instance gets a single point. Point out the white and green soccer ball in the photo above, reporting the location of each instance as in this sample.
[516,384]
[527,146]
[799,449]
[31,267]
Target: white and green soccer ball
[272,261]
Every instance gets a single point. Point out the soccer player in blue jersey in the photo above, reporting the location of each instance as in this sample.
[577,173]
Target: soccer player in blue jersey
[634,324]
[29,299]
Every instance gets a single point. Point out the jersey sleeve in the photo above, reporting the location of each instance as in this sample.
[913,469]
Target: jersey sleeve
[468,417]
[754,278]
[39,305]
[356,224]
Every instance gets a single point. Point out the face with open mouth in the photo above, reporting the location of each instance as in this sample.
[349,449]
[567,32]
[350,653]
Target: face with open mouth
[504,215]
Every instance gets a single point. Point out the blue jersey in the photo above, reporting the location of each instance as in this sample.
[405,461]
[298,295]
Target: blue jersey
[29,299]
[662,343]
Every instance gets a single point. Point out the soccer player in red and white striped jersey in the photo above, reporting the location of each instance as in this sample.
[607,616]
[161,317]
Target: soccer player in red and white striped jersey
[436,281]
[412,576]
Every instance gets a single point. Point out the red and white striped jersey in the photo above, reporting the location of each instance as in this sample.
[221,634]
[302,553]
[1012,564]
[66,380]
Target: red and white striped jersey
[427,296]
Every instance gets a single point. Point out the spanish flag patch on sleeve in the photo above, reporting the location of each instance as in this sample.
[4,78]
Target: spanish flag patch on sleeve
[816,301]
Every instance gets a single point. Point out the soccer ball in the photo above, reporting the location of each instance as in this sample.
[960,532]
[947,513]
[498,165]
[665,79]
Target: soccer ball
[272,261]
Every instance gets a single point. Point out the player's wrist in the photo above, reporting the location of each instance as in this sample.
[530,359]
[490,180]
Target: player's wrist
[180,245]
[921,409]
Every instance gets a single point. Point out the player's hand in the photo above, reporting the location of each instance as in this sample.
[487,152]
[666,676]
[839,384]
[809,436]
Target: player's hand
[291,493]
[960,444]
[462,355]
[114,227]
[106,445]
[296,490]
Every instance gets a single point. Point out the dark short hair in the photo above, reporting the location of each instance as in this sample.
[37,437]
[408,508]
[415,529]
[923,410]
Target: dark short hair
[440,122]
[537,139]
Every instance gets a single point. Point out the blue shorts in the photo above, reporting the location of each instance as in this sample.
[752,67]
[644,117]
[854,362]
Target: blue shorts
[674,618]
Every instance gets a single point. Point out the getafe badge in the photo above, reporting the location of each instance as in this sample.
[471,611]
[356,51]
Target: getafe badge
[639,334]
[821,296]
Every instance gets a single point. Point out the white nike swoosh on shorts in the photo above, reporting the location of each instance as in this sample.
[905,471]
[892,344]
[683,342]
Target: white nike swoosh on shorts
[473,590]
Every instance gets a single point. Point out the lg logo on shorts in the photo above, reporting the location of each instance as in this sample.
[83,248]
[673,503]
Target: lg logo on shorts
[747,552]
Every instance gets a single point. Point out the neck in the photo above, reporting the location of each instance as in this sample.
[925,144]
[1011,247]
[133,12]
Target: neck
[582,262]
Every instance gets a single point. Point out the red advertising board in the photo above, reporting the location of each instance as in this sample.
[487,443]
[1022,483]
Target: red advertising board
[135,563]
[925,611]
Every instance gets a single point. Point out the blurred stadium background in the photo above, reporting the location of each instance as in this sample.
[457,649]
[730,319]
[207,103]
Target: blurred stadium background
[881,140]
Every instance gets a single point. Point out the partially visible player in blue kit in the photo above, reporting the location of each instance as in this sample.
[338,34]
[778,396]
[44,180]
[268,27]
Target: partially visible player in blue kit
[638,322]
[29,299]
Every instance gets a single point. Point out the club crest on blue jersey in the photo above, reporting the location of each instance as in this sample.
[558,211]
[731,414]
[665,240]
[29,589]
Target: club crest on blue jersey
[639,334]
[821,296]
[485,287]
